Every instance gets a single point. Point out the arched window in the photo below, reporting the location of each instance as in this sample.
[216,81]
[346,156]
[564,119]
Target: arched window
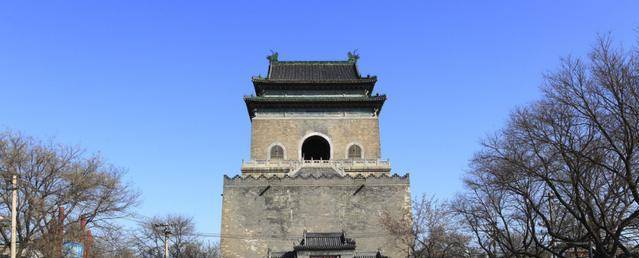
[277,152]
[316,148]
[354,152]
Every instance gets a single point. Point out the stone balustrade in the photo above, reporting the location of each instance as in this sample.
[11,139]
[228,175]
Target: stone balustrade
[288,166]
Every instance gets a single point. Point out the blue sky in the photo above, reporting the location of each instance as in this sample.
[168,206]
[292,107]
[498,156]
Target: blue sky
[156,86]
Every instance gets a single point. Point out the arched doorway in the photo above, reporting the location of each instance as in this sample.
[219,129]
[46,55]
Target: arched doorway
[316,148]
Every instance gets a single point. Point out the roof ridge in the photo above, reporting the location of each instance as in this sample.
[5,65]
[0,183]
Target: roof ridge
[314,62]
[313,70]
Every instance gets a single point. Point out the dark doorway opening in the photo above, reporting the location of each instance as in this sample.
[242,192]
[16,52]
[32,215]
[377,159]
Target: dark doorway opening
[316,148]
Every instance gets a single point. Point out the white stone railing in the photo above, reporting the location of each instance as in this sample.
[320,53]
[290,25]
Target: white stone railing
[280,162]
[294,165]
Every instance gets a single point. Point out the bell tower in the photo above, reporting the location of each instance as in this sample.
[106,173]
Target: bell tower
[314,114]
[315,184]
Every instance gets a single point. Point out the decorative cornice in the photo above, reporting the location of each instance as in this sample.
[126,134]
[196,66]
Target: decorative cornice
[314,177]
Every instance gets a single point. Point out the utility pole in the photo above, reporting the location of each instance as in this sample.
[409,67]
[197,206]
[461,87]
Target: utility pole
[166,232]
[14,213]
[166,243]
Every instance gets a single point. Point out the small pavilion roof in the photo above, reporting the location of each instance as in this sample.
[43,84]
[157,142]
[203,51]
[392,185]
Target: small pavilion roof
[300,72]
[325,241]
[375,255]
[313,70]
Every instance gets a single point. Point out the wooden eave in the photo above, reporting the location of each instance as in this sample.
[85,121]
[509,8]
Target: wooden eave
[253,103]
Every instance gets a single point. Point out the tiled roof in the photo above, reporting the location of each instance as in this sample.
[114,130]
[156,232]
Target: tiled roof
[283,255]
[315,99]
[313,70]
[377,255]
[373,102]
[325,241]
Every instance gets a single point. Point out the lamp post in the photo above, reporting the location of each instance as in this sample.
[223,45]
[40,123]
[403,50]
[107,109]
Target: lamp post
[14,213]
[166,232]
[166,243]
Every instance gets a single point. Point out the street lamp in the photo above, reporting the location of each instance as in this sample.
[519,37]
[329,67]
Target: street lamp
[166,232]
[14,212]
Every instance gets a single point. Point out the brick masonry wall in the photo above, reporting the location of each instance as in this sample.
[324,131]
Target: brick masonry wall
[291,132]
[251,224]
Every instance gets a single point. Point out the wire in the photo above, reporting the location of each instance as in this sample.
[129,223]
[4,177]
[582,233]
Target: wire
[359,235]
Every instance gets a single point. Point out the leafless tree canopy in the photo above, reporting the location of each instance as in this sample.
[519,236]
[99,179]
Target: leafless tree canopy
[54,176]
[429,231]
[563,173]
[184,242]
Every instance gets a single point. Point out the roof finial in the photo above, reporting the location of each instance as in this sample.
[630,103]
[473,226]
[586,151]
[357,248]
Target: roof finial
[273,57]
[353,56]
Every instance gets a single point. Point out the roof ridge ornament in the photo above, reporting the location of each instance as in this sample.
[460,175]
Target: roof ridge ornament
[353,56]
[273,57]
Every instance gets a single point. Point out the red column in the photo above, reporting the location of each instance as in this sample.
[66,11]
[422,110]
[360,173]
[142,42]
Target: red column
[83,229]
[87,238]
[88,244]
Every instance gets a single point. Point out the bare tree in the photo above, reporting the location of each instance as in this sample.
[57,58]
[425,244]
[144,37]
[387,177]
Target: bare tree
[202,249]
[58,186]
[562,175]
[429,231]
[114,243]
[498,222]
[184,242]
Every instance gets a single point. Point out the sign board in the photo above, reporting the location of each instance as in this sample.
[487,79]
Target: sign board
[73,250]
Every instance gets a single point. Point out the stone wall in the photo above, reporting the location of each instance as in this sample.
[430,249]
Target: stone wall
[253,223]
[291,132]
